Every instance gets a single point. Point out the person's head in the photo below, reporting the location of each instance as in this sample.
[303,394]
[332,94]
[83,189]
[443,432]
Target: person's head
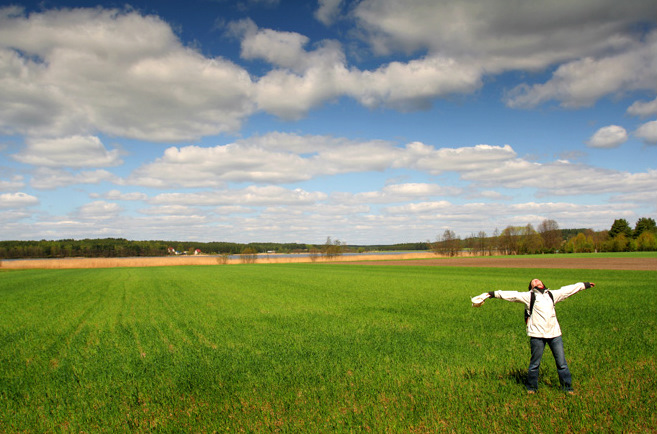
[536,283]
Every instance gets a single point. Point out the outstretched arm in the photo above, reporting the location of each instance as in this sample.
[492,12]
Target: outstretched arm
[566,291]
[515,296]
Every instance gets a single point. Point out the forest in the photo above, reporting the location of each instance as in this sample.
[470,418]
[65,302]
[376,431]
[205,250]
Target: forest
[512,240]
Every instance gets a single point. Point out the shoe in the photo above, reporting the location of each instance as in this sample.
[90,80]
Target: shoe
[531,392]
[570,392]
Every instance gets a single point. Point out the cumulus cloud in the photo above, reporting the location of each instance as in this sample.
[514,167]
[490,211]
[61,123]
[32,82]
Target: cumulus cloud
[466,159]
[643,108]
[283,158]
[284,49]
[301,158]
[582,82]
[17,200]
[277,158]
[534,35]
[69,72]
[648,132]
[608,137]
[396,193]
[176,210]
[48,178]
[14,183]
[99,210]
[561,178]
[304,79]
[328,11]
[74,151]
[117,195]
[249,196]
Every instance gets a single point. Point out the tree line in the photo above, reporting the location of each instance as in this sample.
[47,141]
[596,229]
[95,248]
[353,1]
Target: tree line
[549,238]
[513,240]
[119,247]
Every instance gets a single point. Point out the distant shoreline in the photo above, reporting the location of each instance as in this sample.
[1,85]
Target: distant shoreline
[414,258]
[163,261]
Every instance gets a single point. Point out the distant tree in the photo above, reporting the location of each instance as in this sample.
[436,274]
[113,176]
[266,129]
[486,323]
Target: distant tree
[476,243]
[314,253]
[494,242]
[600,240]
[620,226]
[223,258]
[551,235]
[646,241]
[483,243]
[644,224]
[510,240]
[332,249]
[619,243]
[581,243]
[447,244]
[530,241]
[248,255]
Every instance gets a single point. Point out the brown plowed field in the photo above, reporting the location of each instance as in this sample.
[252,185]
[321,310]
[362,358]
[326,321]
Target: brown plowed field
[519,262]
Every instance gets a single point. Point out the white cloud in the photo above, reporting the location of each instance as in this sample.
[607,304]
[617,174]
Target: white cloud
[74,151]
[276,158]
[582,82]
[285,158]
[284,49]
[117,195]
[72,71]
[396,193]
[99,210]
[561,178]
[14,183]
[228,210]
[302,158]
[75,72]
[608,137]
[478,158]
[305,79]
[17,200]
[502,34]
[328,11]
[412,85]
[48,179]
[194,166]
[175,210]
[648,132]
[249,196]
[643,108]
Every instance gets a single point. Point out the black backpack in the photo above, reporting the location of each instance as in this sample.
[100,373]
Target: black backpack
[528,312]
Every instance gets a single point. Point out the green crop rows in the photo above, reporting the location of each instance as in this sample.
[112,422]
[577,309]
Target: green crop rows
[317,348]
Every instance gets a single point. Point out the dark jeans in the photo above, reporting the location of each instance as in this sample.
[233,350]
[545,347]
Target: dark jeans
[556,346]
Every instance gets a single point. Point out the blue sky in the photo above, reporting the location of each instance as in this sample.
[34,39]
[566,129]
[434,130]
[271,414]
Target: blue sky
[373,121]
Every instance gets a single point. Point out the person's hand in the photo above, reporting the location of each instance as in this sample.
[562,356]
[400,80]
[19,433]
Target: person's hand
[589,285]
[479,300]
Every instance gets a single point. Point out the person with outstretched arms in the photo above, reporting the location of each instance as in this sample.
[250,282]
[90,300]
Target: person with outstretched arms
[542,325]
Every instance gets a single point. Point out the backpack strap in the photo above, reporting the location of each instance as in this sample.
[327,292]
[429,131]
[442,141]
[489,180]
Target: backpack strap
[528,312]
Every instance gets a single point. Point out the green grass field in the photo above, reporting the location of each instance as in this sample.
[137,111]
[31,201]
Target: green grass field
[317,348]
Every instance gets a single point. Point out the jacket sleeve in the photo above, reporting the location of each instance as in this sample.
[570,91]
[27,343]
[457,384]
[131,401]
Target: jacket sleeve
[514,296]
[566,291]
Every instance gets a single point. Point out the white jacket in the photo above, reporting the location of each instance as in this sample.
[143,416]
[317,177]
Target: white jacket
[543,321]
